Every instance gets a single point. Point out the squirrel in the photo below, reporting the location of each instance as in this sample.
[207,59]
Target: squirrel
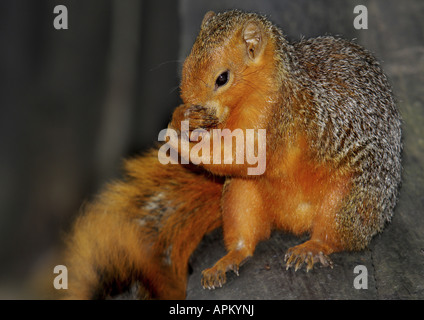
[333,164]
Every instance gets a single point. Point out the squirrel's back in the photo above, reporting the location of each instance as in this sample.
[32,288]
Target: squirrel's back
[352,122]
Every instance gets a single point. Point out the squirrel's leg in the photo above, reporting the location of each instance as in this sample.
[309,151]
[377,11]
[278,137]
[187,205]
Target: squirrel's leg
[243,225]
[325,236]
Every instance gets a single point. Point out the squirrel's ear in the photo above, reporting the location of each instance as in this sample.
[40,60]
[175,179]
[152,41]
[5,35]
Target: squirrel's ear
[206,18]
[253,36]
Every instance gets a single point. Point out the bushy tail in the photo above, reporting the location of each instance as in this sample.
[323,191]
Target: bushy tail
[135,239]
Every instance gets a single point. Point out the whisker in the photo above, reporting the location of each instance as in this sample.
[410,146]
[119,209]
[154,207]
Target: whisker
[174,88]
[165,63]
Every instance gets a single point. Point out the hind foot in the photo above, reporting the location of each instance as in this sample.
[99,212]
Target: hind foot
[308,253]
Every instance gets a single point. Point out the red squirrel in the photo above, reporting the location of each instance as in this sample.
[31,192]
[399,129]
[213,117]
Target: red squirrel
[328,166]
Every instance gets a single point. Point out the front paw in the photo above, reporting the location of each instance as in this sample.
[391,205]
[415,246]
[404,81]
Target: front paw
[201,117]
[178,117]
[213,278]
[216,276]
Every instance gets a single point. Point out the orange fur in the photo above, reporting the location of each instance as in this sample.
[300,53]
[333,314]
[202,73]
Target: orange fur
[245,111]
[297,192]
[140,232]
[304,197]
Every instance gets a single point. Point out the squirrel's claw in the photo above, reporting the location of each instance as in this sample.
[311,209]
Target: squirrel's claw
[299,255]
[216,277]
[213,278]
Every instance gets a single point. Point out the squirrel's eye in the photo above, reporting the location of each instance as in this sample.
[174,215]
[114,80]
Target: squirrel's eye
[222,79]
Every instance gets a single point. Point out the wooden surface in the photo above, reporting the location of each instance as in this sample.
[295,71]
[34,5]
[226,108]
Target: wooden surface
[395,258]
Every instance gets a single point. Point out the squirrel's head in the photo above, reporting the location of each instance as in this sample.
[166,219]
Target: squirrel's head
[233,64]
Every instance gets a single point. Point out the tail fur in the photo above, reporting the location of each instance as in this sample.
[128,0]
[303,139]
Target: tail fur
[135,239]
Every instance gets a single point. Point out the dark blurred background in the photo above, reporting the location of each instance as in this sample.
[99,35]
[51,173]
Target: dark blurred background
[75,102]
